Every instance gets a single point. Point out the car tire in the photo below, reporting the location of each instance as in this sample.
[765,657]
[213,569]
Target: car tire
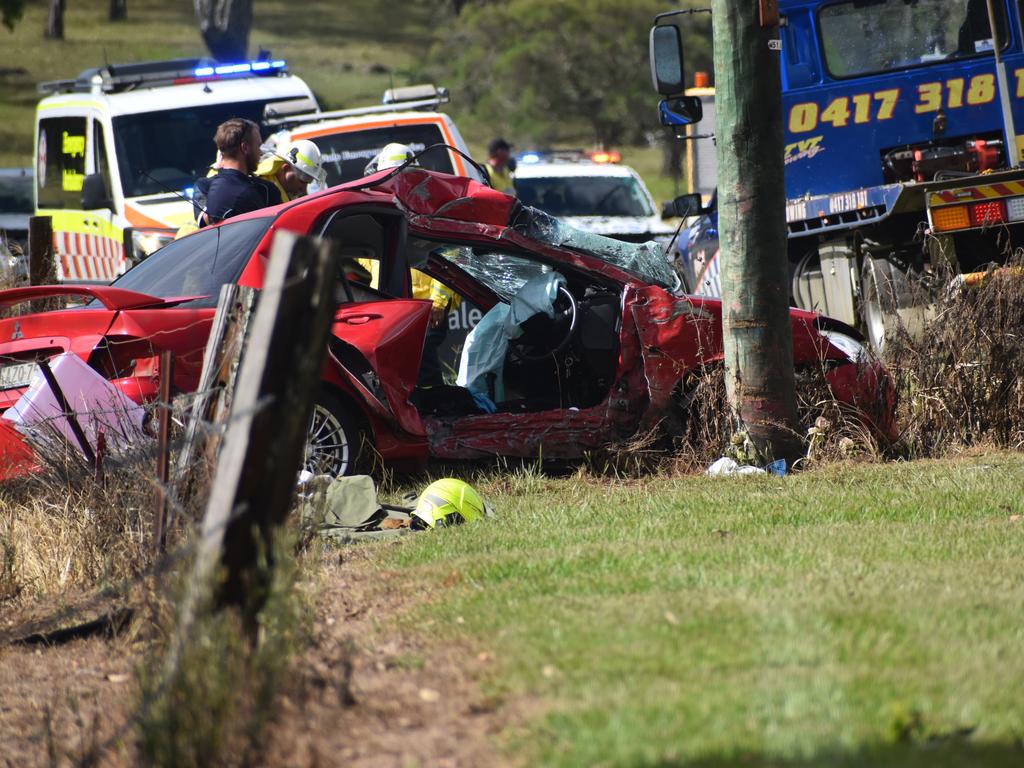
[338,442]
[891,302]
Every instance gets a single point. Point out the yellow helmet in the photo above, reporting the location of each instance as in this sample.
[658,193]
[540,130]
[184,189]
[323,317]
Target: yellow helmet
[447,502]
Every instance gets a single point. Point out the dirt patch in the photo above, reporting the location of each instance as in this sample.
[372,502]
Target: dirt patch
[362,698]
[61,703]
[357,696]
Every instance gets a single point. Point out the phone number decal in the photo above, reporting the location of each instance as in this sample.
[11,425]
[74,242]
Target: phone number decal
[880,105]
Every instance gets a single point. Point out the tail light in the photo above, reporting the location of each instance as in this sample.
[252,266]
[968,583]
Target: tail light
[988,213]
[983,214]
[950,218]
[1015,208]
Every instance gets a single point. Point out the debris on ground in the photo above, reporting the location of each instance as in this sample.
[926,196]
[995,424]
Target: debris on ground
[91,406]
[346,509]
[727,466]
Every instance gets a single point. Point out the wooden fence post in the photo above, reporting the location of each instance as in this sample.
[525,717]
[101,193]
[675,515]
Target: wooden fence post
[262,451]
[42,264]
[163,456]
[224,348]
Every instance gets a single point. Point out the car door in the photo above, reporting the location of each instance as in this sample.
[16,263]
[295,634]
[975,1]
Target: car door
[378,330]
[388,335]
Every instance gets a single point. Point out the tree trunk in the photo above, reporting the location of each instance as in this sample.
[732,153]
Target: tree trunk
[118,10]
[225,25]
[752,229]
[55,20]
[458,5]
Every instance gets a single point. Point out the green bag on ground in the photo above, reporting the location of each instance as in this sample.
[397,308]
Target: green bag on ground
[346,509]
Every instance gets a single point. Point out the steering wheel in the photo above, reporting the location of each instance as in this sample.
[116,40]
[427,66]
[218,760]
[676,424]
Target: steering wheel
[565,317]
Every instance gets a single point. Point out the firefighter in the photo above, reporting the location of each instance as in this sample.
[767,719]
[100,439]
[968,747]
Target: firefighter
[292,168]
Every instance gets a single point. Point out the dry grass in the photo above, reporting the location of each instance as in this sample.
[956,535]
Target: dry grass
[961,381]
[56,539]
[68,529]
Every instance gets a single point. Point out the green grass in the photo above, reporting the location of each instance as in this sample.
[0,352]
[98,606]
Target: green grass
[349,53]
[860,615]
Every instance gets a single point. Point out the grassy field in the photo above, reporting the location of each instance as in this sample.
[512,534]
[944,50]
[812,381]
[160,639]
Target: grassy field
[853,615]
[349,53]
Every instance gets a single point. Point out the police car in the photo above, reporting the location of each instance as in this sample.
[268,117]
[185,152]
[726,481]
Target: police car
[592,192]
[349,138]
[119,147]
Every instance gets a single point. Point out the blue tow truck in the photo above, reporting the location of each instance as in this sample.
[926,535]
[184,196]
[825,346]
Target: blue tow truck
[902,162]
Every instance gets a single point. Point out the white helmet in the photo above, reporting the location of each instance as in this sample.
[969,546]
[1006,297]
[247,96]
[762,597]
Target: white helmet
[392,156]
[304,156]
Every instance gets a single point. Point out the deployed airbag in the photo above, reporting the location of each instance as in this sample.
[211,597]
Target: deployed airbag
[483,355]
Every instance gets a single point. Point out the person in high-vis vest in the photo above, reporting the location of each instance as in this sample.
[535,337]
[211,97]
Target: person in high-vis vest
[442,298]
[500,166]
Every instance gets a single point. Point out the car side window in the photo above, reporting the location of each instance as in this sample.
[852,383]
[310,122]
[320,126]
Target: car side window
[372,254]
[60,162]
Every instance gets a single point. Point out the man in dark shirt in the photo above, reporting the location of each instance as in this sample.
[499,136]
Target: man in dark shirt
[234,190]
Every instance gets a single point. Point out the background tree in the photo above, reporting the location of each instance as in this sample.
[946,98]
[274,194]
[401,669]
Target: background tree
[55,20]
[118,10]
[556,71]
[10,12]
[225,25]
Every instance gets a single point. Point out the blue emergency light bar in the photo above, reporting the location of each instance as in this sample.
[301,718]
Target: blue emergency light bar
[121,77]
[239,69]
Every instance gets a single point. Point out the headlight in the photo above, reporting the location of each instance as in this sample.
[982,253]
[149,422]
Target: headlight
[146,242]
[849,346]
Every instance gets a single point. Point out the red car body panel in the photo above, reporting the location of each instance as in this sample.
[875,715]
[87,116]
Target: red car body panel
[661,336]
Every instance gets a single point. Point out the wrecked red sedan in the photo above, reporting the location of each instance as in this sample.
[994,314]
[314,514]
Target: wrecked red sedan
[584,340]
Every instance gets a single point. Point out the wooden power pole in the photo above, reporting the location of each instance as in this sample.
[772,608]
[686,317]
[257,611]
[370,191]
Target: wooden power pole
[752,224]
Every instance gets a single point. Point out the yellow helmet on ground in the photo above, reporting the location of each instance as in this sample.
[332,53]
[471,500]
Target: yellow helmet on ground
[447,502]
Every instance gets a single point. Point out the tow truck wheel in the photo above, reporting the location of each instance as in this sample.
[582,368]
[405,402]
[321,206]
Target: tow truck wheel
[336,441]
[891,303]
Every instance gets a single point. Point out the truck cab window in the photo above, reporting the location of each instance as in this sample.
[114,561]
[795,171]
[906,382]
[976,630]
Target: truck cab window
[866,38]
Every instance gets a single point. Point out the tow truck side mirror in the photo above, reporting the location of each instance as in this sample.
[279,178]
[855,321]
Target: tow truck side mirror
[682,207]
[666,52]
[94,193]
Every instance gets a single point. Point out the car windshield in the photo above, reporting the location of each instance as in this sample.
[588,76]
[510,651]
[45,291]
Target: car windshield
[16,192]
[346,154]
[585,195]
[167,150]
[504,273]
[646,261]
[197,265]
[865,37]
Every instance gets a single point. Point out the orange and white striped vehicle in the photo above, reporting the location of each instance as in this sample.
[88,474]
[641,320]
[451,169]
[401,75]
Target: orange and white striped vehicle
[119,147]
[349,138]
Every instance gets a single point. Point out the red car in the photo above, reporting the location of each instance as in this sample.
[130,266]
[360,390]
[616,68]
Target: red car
[600,357]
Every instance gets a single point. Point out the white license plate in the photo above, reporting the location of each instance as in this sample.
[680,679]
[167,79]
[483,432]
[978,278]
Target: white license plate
[16,376]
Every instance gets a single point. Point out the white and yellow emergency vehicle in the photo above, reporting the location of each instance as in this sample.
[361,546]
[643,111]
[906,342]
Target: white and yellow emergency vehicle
[119,147]
[349,139]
